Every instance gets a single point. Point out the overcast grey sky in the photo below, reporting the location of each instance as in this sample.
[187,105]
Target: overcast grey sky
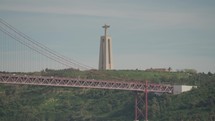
[145,33]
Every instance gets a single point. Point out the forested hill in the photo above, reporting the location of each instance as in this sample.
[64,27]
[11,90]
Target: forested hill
[42,103]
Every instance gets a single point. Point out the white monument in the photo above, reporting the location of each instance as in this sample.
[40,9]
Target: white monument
[105,55]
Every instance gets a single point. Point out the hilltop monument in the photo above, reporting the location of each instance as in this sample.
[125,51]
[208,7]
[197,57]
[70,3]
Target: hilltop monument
[105,55]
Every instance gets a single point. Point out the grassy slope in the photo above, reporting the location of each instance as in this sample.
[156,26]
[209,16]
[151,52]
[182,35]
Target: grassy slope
[71,104]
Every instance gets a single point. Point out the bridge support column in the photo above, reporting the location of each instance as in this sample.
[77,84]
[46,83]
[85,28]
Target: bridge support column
[141,105]
[146,101]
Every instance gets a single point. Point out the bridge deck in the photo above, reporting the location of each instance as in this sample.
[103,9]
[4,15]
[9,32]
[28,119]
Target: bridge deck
[84,83]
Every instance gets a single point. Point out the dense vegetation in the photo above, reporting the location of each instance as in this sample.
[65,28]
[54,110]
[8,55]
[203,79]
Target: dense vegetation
[37,103]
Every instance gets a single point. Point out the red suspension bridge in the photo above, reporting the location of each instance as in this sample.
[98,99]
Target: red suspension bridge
[84,83]
[136,86]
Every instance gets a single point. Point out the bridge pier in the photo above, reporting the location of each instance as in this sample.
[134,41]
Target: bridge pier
[140,105]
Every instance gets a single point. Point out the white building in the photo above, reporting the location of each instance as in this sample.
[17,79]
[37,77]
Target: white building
[177,89]
[105,55]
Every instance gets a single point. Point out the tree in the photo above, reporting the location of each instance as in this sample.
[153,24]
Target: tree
[155,108]
[169,69]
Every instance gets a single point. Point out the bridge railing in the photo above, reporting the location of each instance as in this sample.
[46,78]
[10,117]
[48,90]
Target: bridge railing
[84,83]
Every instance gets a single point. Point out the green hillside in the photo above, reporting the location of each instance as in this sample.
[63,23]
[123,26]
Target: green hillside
[42,103]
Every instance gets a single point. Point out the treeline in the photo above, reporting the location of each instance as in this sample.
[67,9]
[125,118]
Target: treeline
[37,103]
[195,105]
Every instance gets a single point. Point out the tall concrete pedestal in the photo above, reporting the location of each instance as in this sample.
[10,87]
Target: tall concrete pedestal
[105,54]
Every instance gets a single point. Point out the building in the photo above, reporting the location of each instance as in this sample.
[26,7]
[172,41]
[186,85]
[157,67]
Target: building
[105,54]
[178,89]
[158,70]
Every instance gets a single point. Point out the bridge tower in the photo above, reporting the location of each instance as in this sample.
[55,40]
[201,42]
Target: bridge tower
[105,55]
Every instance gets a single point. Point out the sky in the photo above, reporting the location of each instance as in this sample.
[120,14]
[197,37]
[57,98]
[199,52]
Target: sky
[145,33]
